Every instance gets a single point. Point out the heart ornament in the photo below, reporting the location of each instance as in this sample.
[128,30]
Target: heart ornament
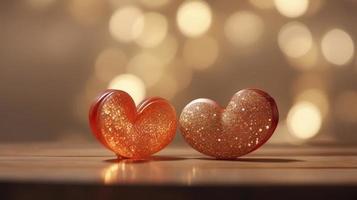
[247,122]
[130,131]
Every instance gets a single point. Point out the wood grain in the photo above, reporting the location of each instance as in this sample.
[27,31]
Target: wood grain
[92,164]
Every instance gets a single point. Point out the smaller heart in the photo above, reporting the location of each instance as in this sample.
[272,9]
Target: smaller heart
[247,122]
[129,131]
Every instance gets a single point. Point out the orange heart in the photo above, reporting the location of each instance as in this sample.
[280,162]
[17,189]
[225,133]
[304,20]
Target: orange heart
[128,131]
[243,126]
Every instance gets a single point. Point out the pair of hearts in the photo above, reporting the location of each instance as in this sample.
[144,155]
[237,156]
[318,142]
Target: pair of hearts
[247,122]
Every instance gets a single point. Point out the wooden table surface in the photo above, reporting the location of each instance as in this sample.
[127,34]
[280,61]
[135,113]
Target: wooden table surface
[48,167]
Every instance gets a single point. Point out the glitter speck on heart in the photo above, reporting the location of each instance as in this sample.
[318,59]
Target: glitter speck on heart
[248,121]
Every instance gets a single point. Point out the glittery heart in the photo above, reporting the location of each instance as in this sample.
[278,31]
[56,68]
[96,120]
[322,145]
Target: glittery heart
[243,126]
[128,131]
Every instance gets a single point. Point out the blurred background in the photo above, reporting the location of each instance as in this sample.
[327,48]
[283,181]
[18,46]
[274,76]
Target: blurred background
[56,56]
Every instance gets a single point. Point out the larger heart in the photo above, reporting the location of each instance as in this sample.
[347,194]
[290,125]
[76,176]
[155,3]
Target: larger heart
[129,131]
[243,126]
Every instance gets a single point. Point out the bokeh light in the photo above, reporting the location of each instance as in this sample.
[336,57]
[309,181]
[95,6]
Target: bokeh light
[337,47]
[154,30]
[110,63]
[193,52]
[194,18]
[131,84]
[345,106]
[126,24]
[282,135]
[263,4]
[310,60]
[304,120]
[316,96]
[292,8]
[243,28]
[187,49]
[146,66]
[295,39]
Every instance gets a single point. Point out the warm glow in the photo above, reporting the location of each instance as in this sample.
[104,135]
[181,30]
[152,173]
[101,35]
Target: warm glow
[131,84]
[345,107]
[194,18]
[292,8]
[304,120]
[154,30]
[148,67]
[243,28]
[337,47]
[262,4]
[110,63]
[126,24]
[316,96]
[118,173]
[200,53]
[110,174]
[295,39]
